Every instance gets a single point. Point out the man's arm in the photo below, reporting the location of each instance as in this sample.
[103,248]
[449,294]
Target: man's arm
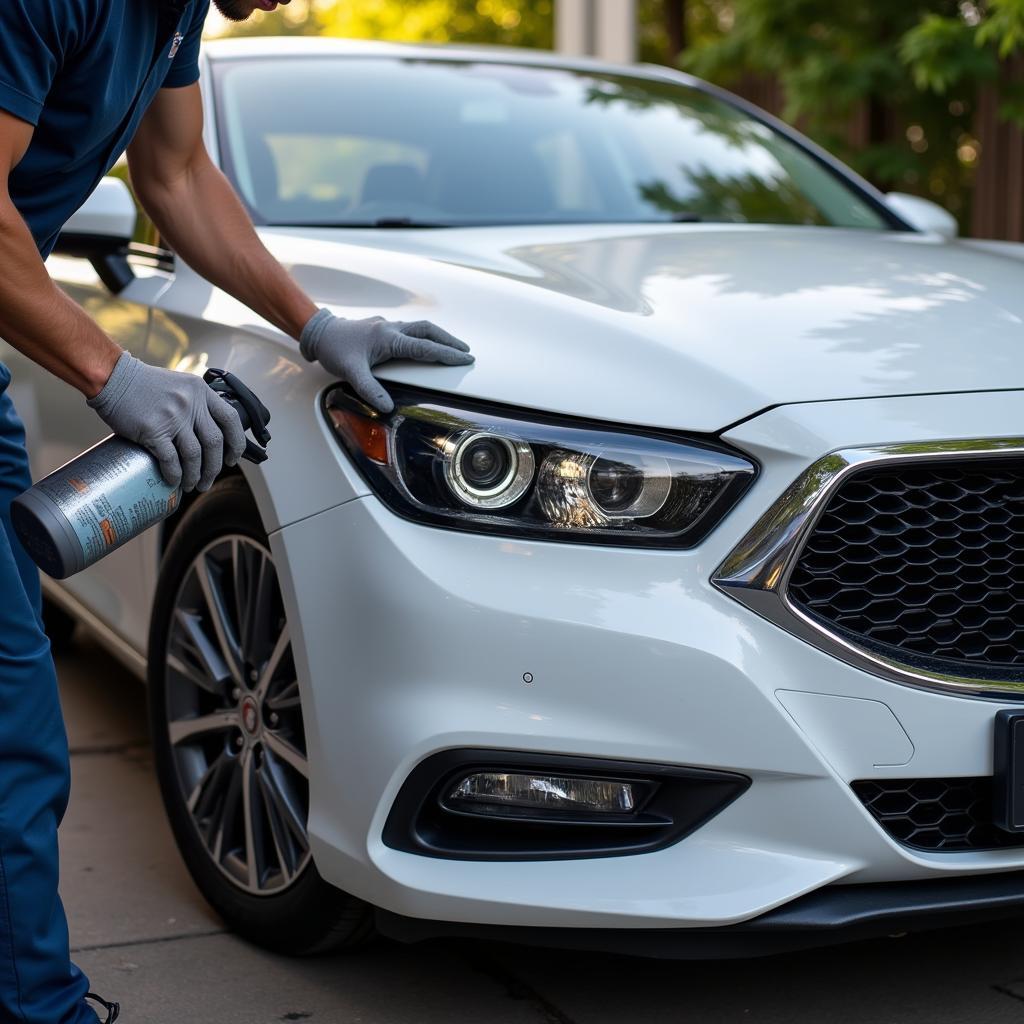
[176,416]
[196,210]
[36,317]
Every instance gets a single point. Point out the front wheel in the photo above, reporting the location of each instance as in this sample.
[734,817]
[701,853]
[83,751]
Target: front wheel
[228,736]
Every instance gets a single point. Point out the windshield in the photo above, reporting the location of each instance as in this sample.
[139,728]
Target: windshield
[373,142]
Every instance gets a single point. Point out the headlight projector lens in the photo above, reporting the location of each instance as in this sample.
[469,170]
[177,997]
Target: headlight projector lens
[614,485]
[488,470]
[628,491]
[578,490]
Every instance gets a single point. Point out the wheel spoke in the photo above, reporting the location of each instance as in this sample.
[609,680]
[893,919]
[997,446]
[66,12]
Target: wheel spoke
[286,699]
[217,608]
[239,562]
[283,803]
[273,663]
[194,640]
[252,851]
[286,831]
[286,752]
[228,811]
[256,609]
[207,786]
[281,844]
[211,797]
[197,677]
[183,730]
[282,850]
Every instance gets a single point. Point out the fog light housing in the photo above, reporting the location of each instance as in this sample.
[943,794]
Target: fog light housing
[478,804]
[518,793]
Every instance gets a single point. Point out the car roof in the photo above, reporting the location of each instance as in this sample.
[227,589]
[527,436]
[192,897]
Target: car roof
[319,46]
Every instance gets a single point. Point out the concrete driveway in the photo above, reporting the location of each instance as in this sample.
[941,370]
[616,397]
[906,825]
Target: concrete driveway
[145,937]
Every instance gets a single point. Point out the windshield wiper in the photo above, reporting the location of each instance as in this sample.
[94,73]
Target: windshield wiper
[381,222]
[409,223]
[405,222]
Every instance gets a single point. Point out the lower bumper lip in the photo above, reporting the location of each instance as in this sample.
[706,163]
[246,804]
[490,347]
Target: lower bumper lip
[828,915]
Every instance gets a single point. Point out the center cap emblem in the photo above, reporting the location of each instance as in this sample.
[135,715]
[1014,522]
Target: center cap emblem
[250,716]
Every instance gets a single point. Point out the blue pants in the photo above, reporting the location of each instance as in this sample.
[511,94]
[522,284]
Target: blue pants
[38,982]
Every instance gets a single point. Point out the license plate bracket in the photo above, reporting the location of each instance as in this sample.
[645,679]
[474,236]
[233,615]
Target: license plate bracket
[1008,774]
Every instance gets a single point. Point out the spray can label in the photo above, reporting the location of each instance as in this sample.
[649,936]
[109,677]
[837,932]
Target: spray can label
[109,495]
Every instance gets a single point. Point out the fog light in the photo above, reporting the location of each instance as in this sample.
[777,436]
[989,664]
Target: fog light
[506,792]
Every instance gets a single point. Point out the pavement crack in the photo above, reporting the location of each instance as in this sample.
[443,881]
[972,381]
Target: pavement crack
[1005,991]
[516,988]
[154,941]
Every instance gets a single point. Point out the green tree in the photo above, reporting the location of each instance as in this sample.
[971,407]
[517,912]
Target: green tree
[908,70]
[664,25]
[504,22]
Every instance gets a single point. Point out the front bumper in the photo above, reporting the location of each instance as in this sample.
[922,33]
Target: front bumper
[833,914]
[412,640]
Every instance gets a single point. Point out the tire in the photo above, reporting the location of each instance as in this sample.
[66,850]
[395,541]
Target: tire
[60,627]
[229,696]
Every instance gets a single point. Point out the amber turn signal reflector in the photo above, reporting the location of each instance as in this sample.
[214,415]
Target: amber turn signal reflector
[371,437]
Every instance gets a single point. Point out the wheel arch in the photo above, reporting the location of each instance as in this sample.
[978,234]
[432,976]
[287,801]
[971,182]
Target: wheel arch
[169,527]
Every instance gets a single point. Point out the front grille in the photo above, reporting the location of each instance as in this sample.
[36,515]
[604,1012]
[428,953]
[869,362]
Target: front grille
[925,562]
[936,814]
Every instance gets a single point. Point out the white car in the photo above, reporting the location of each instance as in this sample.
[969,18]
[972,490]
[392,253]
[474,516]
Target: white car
[688,620]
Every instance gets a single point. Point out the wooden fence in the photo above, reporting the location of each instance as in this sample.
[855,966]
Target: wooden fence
[997,206]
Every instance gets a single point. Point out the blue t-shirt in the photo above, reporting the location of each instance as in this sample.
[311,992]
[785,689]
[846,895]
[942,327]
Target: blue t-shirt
[84,72]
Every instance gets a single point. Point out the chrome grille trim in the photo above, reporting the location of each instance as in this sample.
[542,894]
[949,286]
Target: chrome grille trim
[757,571]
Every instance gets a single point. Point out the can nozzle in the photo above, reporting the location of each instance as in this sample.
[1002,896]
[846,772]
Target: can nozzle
[251,411]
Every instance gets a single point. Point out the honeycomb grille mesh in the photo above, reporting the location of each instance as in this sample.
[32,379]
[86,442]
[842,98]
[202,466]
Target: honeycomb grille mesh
[926,559]
[936,814]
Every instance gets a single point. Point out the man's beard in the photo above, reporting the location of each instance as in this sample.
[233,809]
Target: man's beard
[234,10]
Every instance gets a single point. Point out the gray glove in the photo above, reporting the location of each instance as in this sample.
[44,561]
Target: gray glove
[349,349]
[181,420]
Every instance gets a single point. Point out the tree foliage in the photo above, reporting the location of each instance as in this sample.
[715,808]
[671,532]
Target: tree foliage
[908,71]
[505,22]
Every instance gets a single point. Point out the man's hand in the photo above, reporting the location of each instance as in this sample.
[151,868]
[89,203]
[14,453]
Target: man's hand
[190,430]
[350,349]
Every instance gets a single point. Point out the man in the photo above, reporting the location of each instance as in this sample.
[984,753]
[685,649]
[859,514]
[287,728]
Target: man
[81,81]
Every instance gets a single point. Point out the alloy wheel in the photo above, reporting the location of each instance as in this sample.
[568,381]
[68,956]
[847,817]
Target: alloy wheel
[234,717]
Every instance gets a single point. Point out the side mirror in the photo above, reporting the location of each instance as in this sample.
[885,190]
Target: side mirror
[101,232]
[923,214]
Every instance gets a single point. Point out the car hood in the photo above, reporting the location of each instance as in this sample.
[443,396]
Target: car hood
[691,327]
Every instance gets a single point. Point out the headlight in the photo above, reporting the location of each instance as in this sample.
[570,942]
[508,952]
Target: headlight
[469,466]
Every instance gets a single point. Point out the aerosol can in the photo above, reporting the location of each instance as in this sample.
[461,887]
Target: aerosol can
[113,492]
